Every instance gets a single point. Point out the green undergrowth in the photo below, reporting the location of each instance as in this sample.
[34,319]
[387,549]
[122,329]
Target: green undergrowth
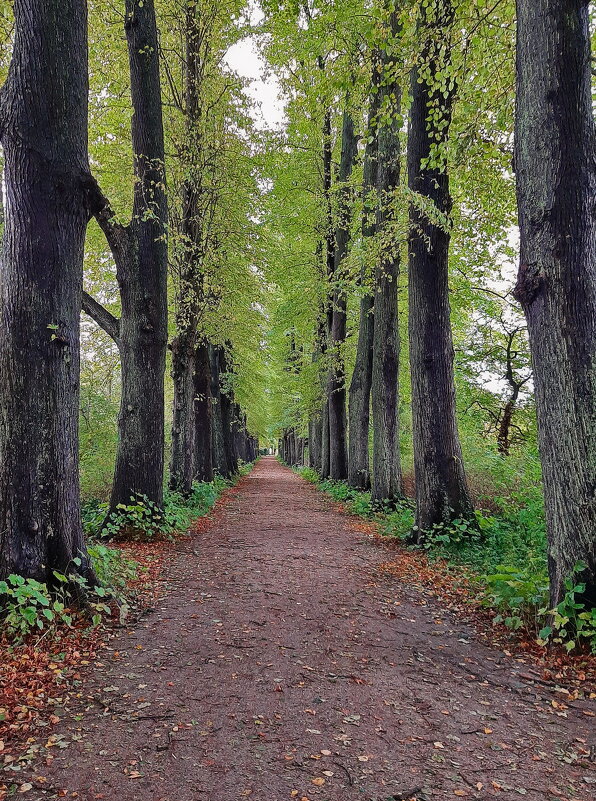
[27,605]
[503,555]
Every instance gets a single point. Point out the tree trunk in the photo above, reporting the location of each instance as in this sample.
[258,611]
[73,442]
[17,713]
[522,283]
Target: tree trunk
[556,186]
[387,479]
[203,414]
[141,255]
[338,422]
[325,444]
[182,461]
[503,434]
[314,443]
[185,438]
[441,488]
[220,463]
[361,383]
[227,417]
[43,110]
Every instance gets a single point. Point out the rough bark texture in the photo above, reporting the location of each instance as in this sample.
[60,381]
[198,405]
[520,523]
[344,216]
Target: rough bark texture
[220,463]
[227,415]
[556,184]
[43,119]
[314,443]
[325,442]
[182,461]
[441,489]
[329,264]
[387,479]
[361,383]
[141,256]
[338,421]
[143,288]
[190,256]
[203,413]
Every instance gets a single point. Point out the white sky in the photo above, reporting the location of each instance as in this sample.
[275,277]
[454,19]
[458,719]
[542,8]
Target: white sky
[245,59]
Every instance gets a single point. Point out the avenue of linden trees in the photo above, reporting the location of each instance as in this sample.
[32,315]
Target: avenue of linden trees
[298,400]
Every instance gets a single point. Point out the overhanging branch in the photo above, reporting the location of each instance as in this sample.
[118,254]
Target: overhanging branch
[103,318]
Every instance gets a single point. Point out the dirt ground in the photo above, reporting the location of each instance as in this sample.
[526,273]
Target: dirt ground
[281,664]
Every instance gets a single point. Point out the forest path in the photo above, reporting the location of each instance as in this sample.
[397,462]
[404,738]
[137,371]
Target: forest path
[281,665]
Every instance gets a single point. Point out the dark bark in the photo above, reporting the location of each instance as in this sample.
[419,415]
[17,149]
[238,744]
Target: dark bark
[227,415]
[325,443]
[324,332]
[203,414]
[338,421]
[387,478]
[43,119]
[556,186]
[506,418]
[220,462]
[187,462]
[441,488]
[314,443]
[182,461]
[140,253]
[361,383]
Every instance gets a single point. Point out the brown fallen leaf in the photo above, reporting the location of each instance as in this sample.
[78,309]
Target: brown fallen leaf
[318,780]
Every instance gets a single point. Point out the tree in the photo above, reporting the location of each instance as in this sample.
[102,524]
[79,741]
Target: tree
[441,487]
[556,189]
[387,479]
[140,252]
[338,429]
[43,129]
[191,255]
[361,382]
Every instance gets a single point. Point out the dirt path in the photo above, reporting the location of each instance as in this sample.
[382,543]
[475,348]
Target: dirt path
[281,666]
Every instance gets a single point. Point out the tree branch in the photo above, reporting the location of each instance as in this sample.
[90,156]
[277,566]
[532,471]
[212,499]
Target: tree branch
[103,318]
[117,235]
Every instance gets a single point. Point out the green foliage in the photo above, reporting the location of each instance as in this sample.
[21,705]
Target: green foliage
[142,519]
[112,568]
[571,623]
[517,593]
[504,553]
[26,604]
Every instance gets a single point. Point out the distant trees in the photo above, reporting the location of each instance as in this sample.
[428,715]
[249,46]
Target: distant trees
[556,189]
[43,130]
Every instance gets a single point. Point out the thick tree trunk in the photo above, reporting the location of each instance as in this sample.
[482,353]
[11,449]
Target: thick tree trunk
[325,444]
[43,119]
[387,479]
[220,462]
[203,415]
[182,462]
[314,443]
[556,185]
[141,255]
[338,421]
[441,488]
[143,287]
[361,383]
[227,417]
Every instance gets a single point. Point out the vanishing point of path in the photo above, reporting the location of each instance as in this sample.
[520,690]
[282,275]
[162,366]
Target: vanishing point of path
[281,665]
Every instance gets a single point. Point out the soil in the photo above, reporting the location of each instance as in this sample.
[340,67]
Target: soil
[283,664]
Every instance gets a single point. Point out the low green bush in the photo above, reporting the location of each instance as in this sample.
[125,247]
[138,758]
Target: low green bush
[142,519]
[503,551]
